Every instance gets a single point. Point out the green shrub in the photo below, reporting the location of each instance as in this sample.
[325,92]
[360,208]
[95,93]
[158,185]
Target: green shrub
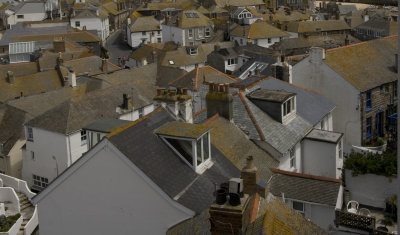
[370,163]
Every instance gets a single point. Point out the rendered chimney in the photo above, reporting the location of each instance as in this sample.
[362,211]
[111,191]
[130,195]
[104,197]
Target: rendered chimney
[59,45]
[250,177]
[10,77]
[72,78]
[178,101]
[220,101]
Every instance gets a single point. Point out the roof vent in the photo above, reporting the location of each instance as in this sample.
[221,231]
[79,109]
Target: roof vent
[236,186]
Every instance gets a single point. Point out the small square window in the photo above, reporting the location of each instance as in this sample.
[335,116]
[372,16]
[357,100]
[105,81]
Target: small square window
[269,40]
[20,16]
[77,23]
[298,206]
[144,33]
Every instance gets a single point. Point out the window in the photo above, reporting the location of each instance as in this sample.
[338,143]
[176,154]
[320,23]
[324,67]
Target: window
[83,137]
[288,107]
[240,16]
[190,33]
[292,156]
[77,23]
[158,32]
[232,61]
[269,40]
[20,16]
[192,51]
[140,111]
[208,32]
[40,182]
[241,41]
[340,149]
[368,101]
[193,152]
[33,156]
[30,134]
[143,33]
[369,127]
[248,15]
[395,90]
[200,32]
[158,40]
[298,206]
[322,124]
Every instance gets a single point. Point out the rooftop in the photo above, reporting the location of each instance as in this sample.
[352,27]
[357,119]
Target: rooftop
[326,136]
[258,30]
[270,95]
[107,125]
[182,129]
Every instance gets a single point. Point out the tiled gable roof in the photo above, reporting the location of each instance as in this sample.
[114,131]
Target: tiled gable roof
[145,23]
[258,30]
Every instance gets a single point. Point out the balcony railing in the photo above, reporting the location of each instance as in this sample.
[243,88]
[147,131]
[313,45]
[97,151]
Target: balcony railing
[355,221]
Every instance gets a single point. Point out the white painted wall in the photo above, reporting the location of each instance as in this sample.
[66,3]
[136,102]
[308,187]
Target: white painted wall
[369,189]
[118,201]
[260,42]
[12,163]
[284,162]
[321,215]
[346,115]
[171,33]
[321,158]
[137,38]
[326,123]
[234,67]
[101,25]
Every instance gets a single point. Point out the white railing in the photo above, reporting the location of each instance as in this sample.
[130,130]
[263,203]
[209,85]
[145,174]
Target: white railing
[18,185]
[15,228]
[32,223]
[7,194]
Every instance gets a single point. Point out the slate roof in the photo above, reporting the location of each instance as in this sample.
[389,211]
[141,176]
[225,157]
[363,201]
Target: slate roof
[88,65]
[367,64]
[345,9]
[259,126]
[111,8]
[194,78]
[238,3]
[324,136]
[11,127]
[258,30]
[31,7]
[317,26]
[270,95]
[235,145]
[145,23]
[146,51]
[107,125]
[311,106]
[381,25]
[304,187]
[178,180]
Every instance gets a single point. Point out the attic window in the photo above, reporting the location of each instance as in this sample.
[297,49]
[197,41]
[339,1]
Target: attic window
[288,107]
[195,153]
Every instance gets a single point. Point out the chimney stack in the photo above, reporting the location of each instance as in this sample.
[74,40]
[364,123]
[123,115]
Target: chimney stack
[59,45]
[72,78]
[219,100]
[10,77]
[178,101]
[250,177]
[317,54]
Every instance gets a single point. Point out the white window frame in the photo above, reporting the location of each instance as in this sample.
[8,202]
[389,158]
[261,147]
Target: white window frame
[207,32]
[292,102]
[192,51]
[29,134]
[77,23]
[83,137]
[340,148]
[233,61]
[200,32]
[300,203]
[190,33]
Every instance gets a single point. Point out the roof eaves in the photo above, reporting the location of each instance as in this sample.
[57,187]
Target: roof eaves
[306,176]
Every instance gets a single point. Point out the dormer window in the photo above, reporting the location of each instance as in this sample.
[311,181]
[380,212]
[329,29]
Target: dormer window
[288,107]
[191,142]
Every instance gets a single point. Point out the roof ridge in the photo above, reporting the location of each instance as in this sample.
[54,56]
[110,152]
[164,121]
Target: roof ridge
[253,119]
[211,119]
[121,129]
[307,176]
[226,75]
[196,77]
[180,77]
[199,112]
[351,45]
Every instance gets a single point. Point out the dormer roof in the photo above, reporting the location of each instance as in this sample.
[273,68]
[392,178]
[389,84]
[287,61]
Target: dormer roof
[182,129]
[271,95]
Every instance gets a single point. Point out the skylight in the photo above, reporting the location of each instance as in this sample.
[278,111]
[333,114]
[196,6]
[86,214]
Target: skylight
[171,62]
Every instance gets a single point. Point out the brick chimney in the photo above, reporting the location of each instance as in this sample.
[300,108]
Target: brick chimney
[10,77]
[59,45]
[219,100]
[178,101]
[250,177]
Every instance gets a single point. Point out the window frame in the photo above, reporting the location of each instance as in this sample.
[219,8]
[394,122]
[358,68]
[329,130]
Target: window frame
[190,33]
[40,181]
[84,136]
[207,32]
[29,134]
[299,203]
[292,157]
[20,17]
[193,51]
[368,101]
[77,23]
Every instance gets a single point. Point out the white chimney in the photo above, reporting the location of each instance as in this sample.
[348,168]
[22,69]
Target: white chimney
[366,17]
[317,54]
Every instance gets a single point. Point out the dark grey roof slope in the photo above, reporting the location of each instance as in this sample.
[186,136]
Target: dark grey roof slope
[11,127]
[311,105]
[281,137]
[153,157]
[303,187]
[107,125]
